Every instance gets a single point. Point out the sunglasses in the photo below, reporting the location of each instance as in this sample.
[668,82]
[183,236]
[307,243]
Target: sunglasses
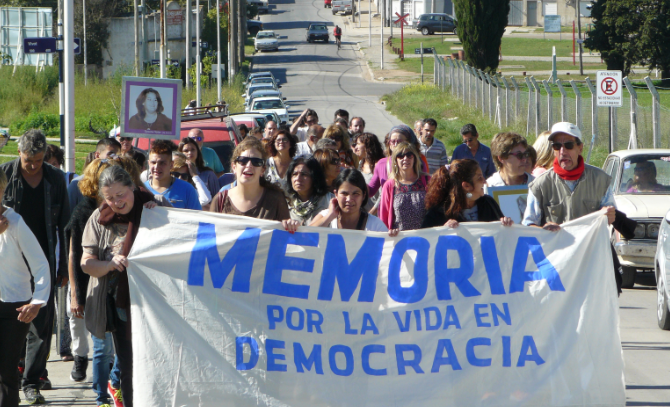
[335,161]
[567,145]
[310,122]
[197,138]
[405,154]
[281,140]
[336,138]
[125,139]
[182,176]
[256,162]
[395,141]
[519,155]
[468,140]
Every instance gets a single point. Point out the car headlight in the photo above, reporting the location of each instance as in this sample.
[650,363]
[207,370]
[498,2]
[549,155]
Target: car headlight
[640,231]
[652,230]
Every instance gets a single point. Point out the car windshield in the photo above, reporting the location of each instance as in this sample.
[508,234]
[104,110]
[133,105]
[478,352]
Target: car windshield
[268,104]
[265,35]
[257,86]
[262,80]
[318,27]
[646,174]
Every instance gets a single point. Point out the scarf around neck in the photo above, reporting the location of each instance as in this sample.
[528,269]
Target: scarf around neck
[571,175]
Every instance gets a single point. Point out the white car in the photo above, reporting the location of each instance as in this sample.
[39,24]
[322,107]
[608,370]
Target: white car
[268,105]
[662,271]
[641,186]
[266,41]
[257,86]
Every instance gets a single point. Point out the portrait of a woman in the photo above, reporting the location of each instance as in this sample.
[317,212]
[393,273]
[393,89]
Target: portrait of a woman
[150,112]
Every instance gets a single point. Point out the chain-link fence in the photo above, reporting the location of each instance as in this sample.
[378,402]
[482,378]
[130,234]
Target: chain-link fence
[537,105]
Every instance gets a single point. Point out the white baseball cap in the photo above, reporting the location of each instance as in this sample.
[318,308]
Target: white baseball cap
[567,128]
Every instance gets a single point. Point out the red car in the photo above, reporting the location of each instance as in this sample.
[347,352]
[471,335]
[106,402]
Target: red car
[327,3]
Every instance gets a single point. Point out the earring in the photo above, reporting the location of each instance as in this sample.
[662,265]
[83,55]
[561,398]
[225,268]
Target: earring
[468,195]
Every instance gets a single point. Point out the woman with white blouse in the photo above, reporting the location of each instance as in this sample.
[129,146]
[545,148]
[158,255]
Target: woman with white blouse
[19,305]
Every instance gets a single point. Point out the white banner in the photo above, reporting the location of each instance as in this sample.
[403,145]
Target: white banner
[234,311]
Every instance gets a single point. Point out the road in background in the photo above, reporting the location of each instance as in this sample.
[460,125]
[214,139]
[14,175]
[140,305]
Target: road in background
[317,75]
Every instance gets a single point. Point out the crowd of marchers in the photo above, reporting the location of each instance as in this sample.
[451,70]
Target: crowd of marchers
[61,229]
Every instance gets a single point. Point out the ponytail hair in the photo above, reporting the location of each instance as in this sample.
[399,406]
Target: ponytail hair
[445,187]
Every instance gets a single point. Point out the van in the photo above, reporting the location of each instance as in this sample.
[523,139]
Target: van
[342,6]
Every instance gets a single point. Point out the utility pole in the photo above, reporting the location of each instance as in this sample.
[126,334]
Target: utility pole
[218,53]
[189,39]
[579,36]
[68,77]
[241,13]
[233,37]
[198,70]
[162,46]
[85,56]
[136,26]
[143,27]
[230,44]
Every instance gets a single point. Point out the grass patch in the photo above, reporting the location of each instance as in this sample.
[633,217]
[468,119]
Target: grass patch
[526,47]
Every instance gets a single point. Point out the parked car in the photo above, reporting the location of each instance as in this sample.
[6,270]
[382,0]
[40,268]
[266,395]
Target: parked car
[317,32]
[263,79]
[266,41]
[253,27]
[641,186]
[327,3]
[662,272]
[342,6]
[271,104]
[251,88]
[258,75]
[431,23]
[263,93]
[263,6]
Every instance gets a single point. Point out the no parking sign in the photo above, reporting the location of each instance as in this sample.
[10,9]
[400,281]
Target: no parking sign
[608,92]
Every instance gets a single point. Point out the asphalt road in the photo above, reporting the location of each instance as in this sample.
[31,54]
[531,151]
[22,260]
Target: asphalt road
[317,75]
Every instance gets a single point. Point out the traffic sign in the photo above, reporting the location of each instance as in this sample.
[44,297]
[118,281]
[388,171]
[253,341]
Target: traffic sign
[40,45]
[608,89]
[203,44]
[425,50]
[401,18]
[77,46]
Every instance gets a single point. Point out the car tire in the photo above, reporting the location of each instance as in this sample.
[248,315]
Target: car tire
[425,31]
[663,315]
[455,31]
[628,276]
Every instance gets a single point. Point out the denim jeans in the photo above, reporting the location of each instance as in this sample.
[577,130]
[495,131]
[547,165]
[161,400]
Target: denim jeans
[103,352]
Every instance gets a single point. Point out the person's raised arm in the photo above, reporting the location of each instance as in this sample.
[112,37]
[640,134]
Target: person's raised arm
[298,123]
[325,220]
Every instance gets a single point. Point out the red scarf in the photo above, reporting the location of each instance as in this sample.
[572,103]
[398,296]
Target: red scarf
[572,175]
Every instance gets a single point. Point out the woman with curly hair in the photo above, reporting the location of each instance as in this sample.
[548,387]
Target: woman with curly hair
[196,164]
[513,158]
[456,194]
[340,136]
[281,148]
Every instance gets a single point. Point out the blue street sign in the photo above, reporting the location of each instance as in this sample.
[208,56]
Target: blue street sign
[77,46]
[39,45]
[203,44]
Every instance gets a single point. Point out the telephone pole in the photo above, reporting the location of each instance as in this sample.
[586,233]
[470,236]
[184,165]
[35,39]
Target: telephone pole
[189,39]
[136,26]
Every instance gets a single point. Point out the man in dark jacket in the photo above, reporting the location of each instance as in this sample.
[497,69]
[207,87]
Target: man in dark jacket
[38,193]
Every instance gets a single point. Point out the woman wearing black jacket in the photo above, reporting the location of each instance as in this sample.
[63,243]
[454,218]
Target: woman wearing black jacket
[456,194]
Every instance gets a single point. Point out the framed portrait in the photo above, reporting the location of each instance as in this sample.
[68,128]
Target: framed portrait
[150,108]
[512,200]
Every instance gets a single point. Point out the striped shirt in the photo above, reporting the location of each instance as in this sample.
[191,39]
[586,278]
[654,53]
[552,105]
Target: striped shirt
[436,155]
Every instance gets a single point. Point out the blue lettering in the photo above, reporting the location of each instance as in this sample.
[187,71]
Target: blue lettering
[444,275]
[439,360]
[507,351]
[408,318]
[546,270]
[504,315]
[413,363]
[277,262]
[369,325]
[239,353]
[451,318]
[275,314]
[417,291]
[363,269]
[348,356]
[365,356]
[347,325]
[528,344]
[492,265]
[270,346]
[479,315]
[438,318]
[314,321]
[314,359]
[240,256]
[470,351]
[417,316]
[289,318]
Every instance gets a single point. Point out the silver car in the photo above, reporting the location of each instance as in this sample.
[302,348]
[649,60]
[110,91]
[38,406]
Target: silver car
[662,272]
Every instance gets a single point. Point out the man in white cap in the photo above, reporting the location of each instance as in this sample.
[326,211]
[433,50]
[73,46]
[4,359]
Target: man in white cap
[571,189]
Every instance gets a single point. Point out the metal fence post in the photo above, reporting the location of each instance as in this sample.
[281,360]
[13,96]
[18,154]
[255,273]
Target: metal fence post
[517,99]
[594,116]
[474,76]
[530,104]
[491,108]
[435,76]
[483,79]
[655,112]
[550,104]
[498,115]
[578,102]
[538,102]
[506,101]
[468,87]
[464,70]
[443,74]
[451,75]
[564,102]
[632,140]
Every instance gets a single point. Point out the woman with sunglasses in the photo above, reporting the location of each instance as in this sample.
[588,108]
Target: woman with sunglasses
[340,136]
[253,195]
[456,194]
[281,148]
[330,163]
[401,205]
[512,157]
[185,170]
[345,211]
[196,165]
[383,168]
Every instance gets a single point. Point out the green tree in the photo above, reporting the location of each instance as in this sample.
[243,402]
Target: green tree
[481,24]
[654,37]
[208,34]
[617,32]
